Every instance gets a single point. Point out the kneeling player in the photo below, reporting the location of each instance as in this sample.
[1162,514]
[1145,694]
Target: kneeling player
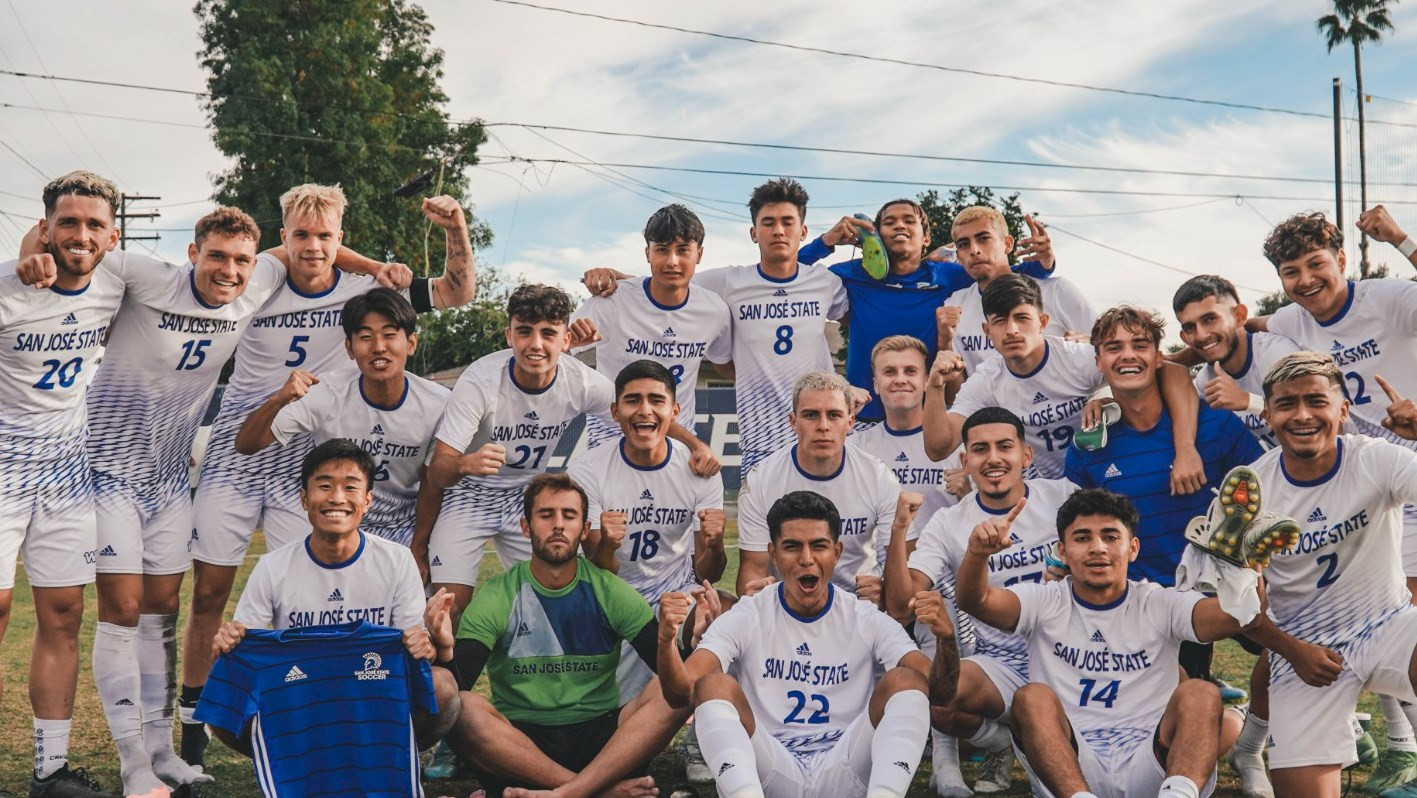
[336,575]
[805,715]
[1103,715]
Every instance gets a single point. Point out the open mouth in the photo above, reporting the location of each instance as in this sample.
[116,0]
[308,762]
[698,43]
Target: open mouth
[1129,370]
[1310,293]
[994,473]
[381,362]
[335,513]
[1304,432]
[645,427]
[809,583]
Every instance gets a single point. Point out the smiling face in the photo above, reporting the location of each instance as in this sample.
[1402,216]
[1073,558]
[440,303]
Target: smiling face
[904,230]
[996,459]
[982,249]
[536,346]
[312,242]
[900,379]
[645,409]
[1315,282]
[336,496]
[805,556]
[1128,359]
[1098,549]
[78,234]
[822,420]
[1017,335]
[672,264]
[556,527]
[380,347]
[1212,326]
[224,265]
[1307,415]
[778,231]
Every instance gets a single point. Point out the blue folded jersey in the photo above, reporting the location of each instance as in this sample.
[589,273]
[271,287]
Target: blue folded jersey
[329,708]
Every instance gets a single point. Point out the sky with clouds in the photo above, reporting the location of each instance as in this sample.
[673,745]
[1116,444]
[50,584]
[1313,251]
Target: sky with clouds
[508,63]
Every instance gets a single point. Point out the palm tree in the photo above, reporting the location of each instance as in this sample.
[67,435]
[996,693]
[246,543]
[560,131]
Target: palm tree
[1358,21]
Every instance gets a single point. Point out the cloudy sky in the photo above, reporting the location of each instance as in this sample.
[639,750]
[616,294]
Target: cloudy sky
[515,65]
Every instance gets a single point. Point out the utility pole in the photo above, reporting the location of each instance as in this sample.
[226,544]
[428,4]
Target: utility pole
[124,215]
[1338,149]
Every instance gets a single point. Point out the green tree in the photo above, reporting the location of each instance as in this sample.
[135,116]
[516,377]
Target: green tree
[942,211]
[1355,22]
[334,91]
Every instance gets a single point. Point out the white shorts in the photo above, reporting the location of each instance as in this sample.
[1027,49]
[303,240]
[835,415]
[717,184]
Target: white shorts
[1118,773]
[844,769]
[1310,725]
[1409,540]
[47,512]
[469,519]
[1004,678]
[230,504]
[142,531]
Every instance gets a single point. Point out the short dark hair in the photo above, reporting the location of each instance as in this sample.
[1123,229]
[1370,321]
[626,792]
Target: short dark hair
[803,505]
[226,220]
[534,302]
[673,222]
[337,449]
[1098,501]
[1133,318]
[1203,286]
[1007,292]
[559,482]
[644,370]
[1299,235]
[780,189]
[386,302]
[991,415]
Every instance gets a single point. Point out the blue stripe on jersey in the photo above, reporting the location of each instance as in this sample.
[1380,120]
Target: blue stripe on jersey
[579,622]
[1138,466]
[316,694]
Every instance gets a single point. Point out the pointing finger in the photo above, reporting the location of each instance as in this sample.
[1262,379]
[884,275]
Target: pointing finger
[1391,392]
[1018,508]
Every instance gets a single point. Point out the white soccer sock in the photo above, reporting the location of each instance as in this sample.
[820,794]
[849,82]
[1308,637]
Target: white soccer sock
[944,760]
[1399,728]
[728,751]
[115,672]
[905,723]
[51,745]
[992,736]
[157,669]
[1178,787]
[1253,735]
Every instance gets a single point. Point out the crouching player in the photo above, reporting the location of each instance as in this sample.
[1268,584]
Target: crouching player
[805,715]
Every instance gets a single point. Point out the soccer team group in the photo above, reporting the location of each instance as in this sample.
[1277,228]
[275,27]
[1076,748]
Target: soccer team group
[980,534]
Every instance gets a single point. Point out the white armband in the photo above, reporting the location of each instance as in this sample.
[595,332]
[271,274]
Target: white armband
[1256,404]
[1407,247]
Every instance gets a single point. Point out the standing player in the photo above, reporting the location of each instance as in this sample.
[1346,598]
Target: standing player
[338,574]
[390,413]
[804,714]
[659,318]
[1103,716]
[821,460]
[48,341]
[982,244]
[500,427]
[899,366]
[997,456]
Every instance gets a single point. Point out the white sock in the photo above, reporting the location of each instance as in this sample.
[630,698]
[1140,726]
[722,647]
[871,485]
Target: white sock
[1409,711]
[115,671]
[51,746]
[728,751]
[157,669]
[895,746]
[992,736]
[1253,735]
[1178,787]
[1399,728]
[944,759]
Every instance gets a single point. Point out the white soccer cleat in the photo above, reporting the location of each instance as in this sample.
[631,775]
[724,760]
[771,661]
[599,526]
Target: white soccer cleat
[1254,779]
[996,772]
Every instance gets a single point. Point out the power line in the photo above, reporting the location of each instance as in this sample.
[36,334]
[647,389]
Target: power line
[25,160]
[1134,212]
[1134,256]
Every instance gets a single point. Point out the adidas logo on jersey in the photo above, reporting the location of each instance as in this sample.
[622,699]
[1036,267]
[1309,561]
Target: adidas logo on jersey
[1014,539]
[902,458]
[532,416]
[646,496]
[1039,398]
[780,292]
[123,702]
[668,333]
[1112,471]
[378,430]
[108,552]
[1097,637]
[1317,515]
[294,674]
[804,651]
[1337,346]
[436,561]
[523,630]
[70,319]
[336,596]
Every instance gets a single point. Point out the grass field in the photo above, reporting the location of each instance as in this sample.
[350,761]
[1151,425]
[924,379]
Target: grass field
[92,747]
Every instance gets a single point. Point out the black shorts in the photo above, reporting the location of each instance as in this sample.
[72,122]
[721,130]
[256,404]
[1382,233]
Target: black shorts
[571,746]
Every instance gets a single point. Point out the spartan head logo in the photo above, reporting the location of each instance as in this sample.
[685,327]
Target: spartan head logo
[372,661]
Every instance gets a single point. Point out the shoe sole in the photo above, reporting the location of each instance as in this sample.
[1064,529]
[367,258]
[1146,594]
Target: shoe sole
[1240,504]
[873,256]
[1262,544]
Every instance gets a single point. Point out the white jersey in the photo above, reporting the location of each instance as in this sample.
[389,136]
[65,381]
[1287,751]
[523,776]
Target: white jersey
[1049,400]
[487,406]
[942,544]
[864,491]
[1265,349]
[777,337]
[290,589]
[806,678]
[1113,666]
[662,506]
[399,438]
[903,452]
[635,327]
[49,340]
[165,352]
[1374,334]
[1067,308]
[1345,573]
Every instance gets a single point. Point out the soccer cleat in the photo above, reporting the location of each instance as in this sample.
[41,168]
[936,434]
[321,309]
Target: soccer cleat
[443,765]
[1229,693]
[1236,504]
[1254,779]
[1368,752]
[1269,534]
[67,782]
[696,770]
[1395,771]
[874,259]
[1403,791]
[996,772]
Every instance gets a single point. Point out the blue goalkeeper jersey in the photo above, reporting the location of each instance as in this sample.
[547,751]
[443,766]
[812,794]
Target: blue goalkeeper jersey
[329,708]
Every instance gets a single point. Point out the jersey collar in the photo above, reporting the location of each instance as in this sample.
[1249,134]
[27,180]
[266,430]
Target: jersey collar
[668,455]
[402,397]
[1301,483]
[1111,605]
[512,373]
[289,283]
[978,500]
[197,295]
[652,301]
[1347,303]
[831,596]
[336,566]
[814,477]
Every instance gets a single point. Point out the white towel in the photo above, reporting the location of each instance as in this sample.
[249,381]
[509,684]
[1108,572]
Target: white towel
[1236,587]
